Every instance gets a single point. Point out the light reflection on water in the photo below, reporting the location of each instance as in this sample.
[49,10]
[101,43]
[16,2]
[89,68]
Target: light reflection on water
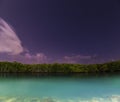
[21,99]
[59,88]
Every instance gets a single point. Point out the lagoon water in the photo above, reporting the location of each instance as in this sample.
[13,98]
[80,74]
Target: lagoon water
[59,88]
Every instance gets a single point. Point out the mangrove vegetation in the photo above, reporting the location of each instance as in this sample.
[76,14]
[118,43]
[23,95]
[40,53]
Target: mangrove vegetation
[15,67]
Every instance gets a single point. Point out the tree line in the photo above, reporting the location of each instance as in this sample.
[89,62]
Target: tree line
[15,67]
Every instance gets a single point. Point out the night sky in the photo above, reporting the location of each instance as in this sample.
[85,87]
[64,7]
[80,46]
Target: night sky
[64,31]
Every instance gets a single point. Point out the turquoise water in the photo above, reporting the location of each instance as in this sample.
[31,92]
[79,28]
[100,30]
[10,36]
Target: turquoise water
[60,88]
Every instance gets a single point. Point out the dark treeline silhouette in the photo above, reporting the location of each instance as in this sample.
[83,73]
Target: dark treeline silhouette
[15,67]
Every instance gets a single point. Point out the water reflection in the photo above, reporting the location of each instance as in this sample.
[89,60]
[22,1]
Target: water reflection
[70,75]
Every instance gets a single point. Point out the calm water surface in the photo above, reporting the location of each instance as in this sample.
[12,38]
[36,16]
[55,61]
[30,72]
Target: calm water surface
[59,88]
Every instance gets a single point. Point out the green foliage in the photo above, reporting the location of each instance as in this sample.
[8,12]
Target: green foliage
[15,67]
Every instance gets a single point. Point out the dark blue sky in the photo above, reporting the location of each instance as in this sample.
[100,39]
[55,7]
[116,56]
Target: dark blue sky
[61,28]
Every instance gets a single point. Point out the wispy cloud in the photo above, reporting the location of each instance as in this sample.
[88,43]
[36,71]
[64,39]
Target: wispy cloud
[9,41]
[26,58]
[11,47]
[37,58]
[76,58]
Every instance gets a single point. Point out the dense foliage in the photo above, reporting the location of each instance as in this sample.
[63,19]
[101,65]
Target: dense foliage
[15,67]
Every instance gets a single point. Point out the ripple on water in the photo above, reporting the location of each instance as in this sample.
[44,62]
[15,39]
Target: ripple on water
[114,98]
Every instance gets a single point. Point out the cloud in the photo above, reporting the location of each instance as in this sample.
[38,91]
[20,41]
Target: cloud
[26,58]
[9,41]
[76,58]
[11,47]
[37,58]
